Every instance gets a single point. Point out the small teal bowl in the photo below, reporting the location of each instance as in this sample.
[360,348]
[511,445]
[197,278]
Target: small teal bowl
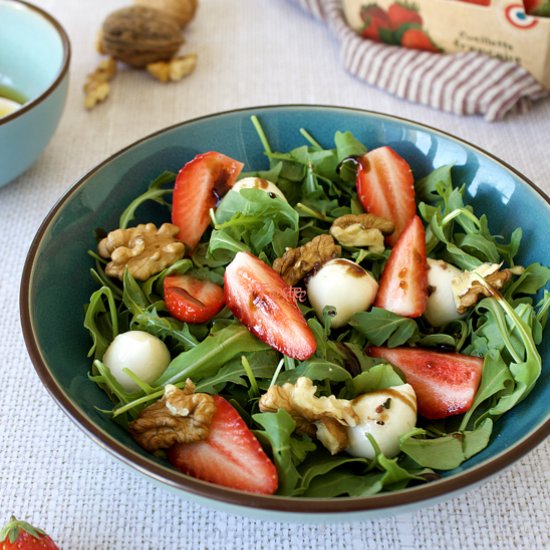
[52,309]
[34,69]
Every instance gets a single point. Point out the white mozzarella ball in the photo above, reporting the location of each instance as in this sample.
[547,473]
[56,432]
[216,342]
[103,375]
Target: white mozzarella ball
[259,183]
[441,305]
[386,415]
[344,285]
[140,352]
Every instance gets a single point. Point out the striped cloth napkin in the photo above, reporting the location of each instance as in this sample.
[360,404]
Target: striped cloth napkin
[468,83]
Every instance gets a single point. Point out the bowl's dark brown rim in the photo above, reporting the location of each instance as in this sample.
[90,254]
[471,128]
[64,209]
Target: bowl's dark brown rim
[431,491]
[61,73]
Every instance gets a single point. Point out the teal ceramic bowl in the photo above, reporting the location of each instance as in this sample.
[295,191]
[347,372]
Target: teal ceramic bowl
[55,285]
[34,70]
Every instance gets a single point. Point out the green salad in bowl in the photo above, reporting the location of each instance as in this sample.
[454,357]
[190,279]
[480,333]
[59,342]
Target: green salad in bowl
[324,327]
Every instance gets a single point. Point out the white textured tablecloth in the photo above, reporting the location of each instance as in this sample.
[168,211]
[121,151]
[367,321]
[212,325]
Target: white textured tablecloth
[251,52]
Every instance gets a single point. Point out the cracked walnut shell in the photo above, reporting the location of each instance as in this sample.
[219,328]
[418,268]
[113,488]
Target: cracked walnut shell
[181,416]
[174,69]
[323,417]
[143,249]
[296,263]
[362,230]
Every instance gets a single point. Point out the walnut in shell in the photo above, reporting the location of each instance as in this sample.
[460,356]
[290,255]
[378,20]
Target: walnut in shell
[140,35]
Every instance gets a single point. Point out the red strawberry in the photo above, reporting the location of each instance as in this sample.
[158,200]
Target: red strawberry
[192,300]
[263,302]
[445,383]
[199,186]
[401,13]
[375,18]
[417,39]
[230,456]
[20,535]
[385,187]
[404,282]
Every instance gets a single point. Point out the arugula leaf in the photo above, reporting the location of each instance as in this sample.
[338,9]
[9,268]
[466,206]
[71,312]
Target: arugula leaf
[533,278]
[277,432]
[319,466]
[133,296]
[347,145]
[378,377]
[316,369]
[431,188]
[495,378]
[208,356]
[338,483]
[325,476]
[101,321]
[262,365]
[155,193]
[223,247]
[443,209]
[381,326]
[165,328]
[448,451]
[257,220]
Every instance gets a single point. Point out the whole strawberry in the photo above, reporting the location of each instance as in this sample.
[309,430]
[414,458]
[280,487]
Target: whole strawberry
[20,535]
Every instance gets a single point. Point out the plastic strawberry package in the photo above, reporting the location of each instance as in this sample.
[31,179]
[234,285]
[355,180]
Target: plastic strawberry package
[503,29]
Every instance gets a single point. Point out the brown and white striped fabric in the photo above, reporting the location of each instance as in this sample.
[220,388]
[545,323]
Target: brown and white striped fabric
[468,83]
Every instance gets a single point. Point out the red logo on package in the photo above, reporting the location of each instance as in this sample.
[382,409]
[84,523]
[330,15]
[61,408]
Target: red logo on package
[516,15]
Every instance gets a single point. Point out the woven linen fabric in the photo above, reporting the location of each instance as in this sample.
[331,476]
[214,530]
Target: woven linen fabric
[468,83]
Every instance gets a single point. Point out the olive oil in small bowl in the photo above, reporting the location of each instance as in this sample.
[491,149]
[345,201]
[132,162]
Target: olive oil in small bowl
[10,100]
[34,80]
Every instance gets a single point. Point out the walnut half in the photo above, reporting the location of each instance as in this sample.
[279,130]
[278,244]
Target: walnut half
[144,250]
[296,263]
[97,86]
[323,417]
[363,230]
[181,416]
[467,290]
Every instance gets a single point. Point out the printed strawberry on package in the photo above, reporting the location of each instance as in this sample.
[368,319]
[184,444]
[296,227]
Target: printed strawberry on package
[505,29]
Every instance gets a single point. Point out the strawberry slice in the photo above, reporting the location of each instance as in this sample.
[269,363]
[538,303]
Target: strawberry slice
[404,282]
[199,186]
[263,302]
[230,456]
[192,300]
[445,383]
[385,187]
